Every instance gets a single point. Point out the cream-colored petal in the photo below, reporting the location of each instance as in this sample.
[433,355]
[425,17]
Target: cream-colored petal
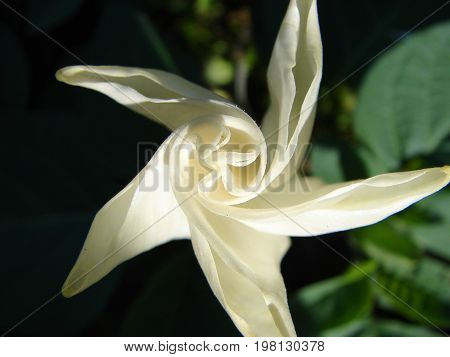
[293,76]
[241,264]
[242,267]
[142,216]
[337,207]
[249,285]
[158,95]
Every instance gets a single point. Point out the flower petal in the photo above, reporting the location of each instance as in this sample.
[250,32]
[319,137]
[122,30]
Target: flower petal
[240,263]
[243,269]
[137,219]
[337,207]
[158,95]
[294,75]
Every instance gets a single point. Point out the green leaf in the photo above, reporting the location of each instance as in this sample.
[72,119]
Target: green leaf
[440,156]
[326,164]
[437,204]
[394,328]
[434,237]
[422,294]
[336,306]
[373,164]
[177,301]
[335,161]
[389,328]
[357,327]
[403,109]
[388,245]
[14,71]
[433,234]
[36,254]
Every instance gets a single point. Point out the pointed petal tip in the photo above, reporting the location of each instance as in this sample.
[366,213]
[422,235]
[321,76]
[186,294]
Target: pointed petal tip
[74,284]
[72,287]
[69,287]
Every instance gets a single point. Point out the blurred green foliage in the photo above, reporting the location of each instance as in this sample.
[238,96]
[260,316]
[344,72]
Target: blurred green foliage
[66,151]
[403,109]
[401,118]
[336,306]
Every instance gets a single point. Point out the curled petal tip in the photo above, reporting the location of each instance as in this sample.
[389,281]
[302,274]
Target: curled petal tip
[60,74]
[64,74]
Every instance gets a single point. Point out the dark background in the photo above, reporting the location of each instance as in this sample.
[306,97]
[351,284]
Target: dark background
[66,151]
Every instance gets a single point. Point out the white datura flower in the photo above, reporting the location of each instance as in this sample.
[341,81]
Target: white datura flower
[215,181]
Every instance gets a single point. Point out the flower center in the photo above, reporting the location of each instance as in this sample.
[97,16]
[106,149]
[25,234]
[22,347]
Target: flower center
[220,157]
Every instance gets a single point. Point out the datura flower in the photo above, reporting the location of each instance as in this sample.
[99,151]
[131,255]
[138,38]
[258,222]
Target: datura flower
[239,229]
